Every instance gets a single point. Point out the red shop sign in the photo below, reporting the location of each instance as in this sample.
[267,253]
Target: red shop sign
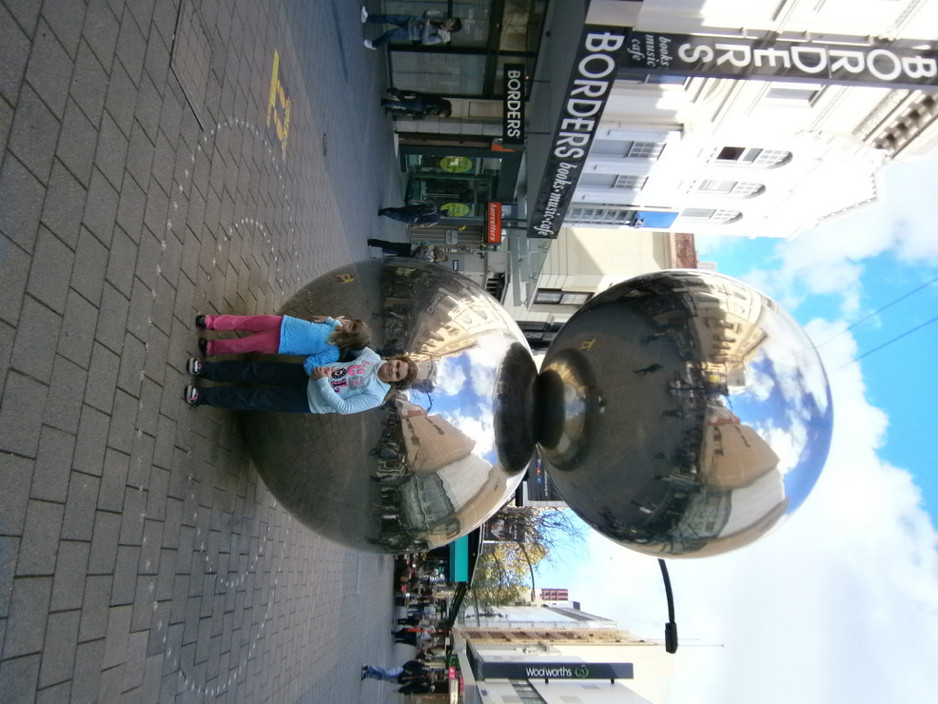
[493,230]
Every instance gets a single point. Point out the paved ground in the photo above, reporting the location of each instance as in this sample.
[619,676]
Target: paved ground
[141,181]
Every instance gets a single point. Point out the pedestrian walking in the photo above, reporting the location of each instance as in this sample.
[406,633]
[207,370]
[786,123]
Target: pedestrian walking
[414,213]
[417,105]
[415,636]
[385,674]
[343,387]
[420,30]
[413,675]
[321,340]
[422,251]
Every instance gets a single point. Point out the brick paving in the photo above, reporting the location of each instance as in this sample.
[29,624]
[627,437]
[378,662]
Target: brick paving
[141,182]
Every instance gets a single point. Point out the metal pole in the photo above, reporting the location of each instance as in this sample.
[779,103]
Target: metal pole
[670,628]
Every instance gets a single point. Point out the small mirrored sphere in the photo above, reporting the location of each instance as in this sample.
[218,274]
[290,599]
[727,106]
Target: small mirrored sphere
[683,413]
[435,460]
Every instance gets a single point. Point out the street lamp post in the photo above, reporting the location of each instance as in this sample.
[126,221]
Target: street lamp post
[670,628]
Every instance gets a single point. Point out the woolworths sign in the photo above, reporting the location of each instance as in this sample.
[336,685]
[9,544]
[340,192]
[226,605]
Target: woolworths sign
[556,670]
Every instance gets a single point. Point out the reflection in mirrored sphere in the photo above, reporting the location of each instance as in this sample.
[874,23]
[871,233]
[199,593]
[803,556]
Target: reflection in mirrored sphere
[435,460]
[683,413]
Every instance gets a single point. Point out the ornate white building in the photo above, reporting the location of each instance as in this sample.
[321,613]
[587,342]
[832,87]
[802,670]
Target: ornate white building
[746,156]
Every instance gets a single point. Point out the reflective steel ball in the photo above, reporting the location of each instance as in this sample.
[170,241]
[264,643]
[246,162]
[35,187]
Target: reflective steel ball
[680,413]
[683,413]
[435,460]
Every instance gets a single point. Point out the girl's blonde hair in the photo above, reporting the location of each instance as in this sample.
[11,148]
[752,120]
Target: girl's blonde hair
[354,336]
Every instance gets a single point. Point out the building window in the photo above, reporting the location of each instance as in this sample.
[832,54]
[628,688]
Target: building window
[627,182]
[712,215]
[558,297]
[645,150]
[596,180]
[627,149]
[737,189]
[752,156]
[663,80]
[600,214]
[795,93]
[623,182]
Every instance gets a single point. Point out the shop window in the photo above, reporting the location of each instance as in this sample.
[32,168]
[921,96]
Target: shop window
[460,185]
[446,74]
[475,16]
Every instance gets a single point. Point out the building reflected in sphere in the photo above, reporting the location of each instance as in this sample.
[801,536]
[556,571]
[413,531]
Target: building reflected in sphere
[686,413]
[679,413]
[435,460]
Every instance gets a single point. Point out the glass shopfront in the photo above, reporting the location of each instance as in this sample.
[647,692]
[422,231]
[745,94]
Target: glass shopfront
[494,32]
[462,181]
[462,185]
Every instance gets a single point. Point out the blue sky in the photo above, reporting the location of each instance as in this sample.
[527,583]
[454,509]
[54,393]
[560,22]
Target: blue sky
[849,583]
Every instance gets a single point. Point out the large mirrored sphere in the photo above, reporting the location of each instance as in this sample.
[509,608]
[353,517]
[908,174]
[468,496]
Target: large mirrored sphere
[683,413]
[435,460]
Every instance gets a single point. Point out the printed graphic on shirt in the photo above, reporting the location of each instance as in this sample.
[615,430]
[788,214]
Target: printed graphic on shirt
[350,377]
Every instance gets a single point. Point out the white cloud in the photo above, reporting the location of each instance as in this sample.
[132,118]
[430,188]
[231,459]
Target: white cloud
[828,260]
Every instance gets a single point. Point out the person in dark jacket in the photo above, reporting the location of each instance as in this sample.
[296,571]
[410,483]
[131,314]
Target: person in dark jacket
[417,105]
[414,213]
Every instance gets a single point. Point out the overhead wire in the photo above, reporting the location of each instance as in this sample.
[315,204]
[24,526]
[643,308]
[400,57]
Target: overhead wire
[874,314]
[878,311]
[886,344]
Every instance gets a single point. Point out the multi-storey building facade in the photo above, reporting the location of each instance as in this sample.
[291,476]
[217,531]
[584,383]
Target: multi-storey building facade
[736,150]
[727,147]
[557,655]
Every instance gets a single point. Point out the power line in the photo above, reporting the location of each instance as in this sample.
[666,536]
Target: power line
[886,344]
[877,312]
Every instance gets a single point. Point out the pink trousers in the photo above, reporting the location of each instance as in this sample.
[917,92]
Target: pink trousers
[266,337]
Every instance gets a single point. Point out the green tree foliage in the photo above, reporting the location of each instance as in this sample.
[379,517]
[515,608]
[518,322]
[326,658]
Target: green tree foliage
[504,573]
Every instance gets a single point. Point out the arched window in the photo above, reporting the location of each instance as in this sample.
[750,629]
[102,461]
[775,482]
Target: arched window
[735,189]
[712,215]
[752,156]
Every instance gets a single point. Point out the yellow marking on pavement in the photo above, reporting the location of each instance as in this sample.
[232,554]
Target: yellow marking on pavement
[279,102]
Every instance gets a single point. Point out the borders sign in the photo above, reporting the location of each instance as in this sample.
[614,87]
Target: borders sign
[599,53]
[882,64]
[513,116]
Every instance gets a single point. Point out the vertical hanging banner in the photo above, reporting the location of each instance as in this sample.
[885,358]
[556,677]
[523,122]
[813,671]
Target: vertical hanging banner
[600,50]
[493,223]
[886,64]
[513,107]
